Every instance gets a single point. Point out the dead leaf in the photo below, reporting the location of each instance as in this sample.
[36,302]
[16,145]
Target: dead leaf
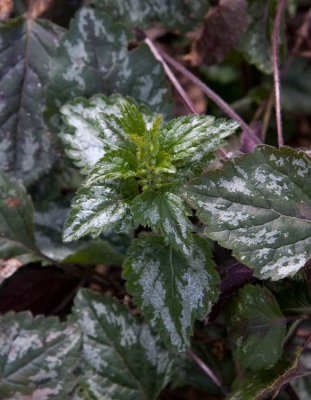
[8,268]
[6,7]
[221,32]
[38,7]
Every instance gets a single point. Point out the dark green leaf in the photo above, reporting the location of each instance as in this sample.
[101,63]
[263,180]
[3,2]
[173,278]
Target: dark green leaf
[179,14]
[259,205]
[95,252]
[93,58]
[256,41]
[26,48]
[16,224]
[37,357]
[296,87]
[171,289]
[124,361]
[257,328]
[262,384]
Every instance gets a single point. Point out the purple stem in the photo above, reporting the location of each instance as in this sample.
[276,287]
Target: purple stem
[207,371]
[171,76]
[276,71]
[210,93]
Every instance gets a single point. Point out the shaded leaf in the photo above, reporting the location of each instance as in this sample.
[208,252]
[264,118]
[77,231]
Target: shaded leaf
[256,41]
[259,205]
[95,252]
[296,87]
[26,48]
[171,289]
[124,361]
[37,356]
[257,328]
[99,207]
[16,224]
[221,32]
[179,14]
[93,57]
[262,384]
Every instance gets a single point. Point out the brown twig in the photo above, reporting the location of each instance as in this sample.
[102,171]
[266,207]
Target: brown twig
[276,71]
[186,99]
[207,371]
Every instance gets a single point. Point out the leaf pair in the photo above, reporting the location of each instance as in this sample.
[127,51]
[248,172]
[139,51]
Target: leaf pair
[120,358]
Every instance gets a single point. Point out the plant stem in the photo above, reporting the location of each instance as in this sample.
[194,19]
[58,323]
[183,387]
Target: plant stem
[207,371]
[186,99]
[276,71]
[227,109]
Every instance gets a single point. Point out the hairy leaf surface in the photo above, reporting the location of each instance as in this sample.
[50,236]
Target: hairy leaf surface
[37,357]
[87,136]
[166,213]
[171,289]
[26,49]
[259,205]
[99,207]
[124,360]
[257,328]
[87,61]
[16,223]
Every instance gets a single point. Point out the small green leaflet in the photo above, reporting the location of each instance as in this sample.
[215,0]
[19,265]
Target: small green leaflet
[177,14]
[259,205]
[26,48]
[37,357]
[257,328]
[171,289]
[16,224]
[123,359]
[93,58]
[86,136]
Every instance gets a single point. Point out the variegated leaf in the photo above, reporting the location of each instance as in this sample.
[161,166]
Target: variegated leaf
[123,359]
[259,205]
[171,289]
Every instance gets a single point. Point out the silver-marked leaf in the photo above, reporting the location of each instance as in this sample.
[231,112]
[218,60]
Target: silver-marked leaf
[166,213]
[86,135]
[142,77]
[256,40]
[190,140]
[93,58]
[124,360]
[263,384]
[37,357]
[26,49]
[98,207]
[171,289]
[257,328]
[16,219]
[177,14]
[259,205]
